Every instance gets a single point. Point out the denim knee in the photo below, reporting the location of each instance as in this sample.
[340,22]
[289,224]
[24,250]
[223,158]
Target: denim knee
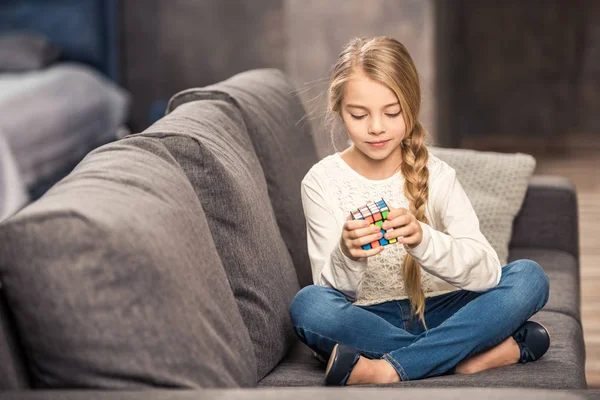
[531,281]
[307,305]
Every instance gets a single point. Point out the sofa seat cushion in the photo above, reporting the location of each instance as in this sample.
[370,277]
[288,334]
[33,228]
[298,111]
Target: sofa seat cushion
[281,136]
[563,270]
[321,393]
[210,141]
[563,366]
[115,282]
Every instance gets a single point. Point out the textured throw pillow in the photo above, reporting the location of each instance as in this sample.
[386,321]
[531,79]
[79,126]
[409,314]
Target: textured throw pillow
[26,52]
[115,282]
[210,142]
[282,139]
[495,184]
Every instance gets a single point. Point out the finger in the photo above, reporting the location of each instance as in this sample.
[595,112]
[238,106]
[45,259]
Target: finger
[360,232]
[358,243]
[396,212]
[400,232]
[397,222]
[355,224]
[367,253]
[411,240]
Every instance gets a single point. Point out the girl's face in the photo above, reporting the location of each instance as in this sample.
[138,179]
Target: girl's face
[373,117]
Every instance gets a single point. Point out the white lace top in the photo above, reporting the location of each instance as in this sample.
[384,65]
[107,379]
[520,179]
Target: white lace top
[453,253]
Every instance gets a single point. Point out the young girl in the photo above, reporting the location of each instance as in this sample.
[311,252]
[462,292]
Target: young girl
[438,301]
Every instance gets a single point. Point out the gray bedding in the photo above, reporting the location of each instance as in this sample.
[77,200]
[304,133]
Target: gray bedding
[12,190]
[51,118]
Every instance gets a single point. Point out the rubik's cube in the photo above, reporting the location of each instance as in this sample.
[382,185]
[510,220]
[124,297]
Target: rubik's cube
[376,213]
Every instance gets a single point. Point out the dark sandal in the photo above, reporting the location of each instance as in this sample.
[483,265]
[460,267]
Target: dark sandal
[533,340]
[341,363]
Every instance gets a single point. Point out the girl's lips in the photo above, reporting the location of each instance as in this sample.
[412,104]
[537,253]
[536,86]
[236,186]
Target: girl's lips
[379,145]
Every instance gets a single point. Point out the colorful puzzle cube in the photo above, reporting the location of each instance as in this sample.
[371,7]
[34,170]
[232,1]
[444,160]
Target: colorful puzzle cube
[376,213]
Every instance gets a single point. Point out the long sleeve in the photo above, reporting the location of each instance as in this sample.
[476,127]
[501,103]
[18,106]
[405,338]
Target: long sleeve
[460,255]
[330,267]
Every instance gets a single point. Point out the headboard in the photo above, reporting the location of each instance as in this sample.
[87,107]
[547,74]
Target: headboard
[85,30]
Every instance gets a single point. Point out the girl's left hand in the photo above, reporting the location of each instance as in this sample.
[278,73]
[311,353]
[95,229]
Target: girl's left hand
[406,227]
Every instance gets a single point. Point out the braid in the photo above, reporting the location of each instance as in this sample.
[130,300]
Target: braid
[416,189]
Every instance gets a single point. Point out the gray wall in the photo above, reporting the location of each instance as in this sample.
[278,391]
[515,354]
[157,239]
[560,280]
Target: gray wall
[177,44]
[171,45]
[487,67]
[588,100]
[527,67]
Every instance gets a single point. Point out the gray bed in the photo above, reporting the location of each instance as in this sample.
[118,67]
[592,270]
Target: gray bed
[52,117]
[54,112]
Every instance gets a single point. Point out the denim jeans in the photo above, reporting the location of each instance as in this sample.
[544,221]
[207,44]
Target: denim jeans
[460,324]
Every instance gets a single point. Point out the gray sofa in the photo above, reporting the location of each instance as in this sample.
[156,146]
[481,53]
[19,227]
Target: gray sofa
[167,260]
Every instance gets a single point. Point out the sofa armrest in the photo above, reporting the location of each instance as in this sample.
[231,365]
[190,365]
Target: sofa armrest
[549,216]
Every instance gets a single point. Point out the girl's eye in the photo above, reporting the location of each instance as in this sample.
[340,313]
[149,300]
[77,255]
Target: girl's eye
[394,115]
[358,116]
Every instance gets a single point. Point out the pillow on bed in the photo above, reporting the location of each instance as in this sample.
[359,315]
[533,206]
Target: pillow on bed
[26,52]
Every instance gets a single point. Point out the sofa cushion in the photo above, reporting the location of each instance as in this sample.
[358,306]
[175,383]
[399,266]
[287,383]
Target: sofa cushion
[495,184]
[13,371]
[282,139]
[563,270]
[325,393]
[549,217]
[562,367]
[115,282]
[210,142]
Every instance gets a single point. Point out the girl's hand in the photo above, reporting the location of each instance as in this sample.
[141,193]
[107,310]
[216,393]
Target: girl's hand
[355,234]
[406,227]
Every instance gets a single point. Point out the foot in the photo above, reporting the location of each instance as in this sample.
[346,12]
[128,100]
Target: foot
[369,371]
[529,342]
[504,354]
[533,340]
[347,367]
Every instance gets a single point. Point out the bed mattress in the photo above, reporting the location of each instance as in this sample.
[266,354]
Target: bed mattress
[53,117]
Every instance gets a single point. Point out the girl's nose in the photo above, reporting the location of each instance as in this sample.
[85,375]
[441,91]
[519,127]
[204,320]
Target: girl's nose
[376,127]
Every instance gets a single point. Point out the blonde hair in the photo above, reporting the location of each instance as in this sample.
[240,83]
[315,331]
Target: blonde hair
[387,61]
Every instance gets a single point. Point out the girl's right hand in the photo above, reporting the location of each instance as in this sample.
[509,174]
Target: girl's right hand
[355,234]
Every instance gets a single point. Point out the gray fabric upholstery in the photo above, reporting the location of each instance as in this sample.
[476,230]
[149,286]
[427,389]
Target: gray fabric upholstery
[548,218]
[354,393]
[282,140]
[591,394]
[115,282]
[13,371]
[563,270]
[210,142]
[563,367]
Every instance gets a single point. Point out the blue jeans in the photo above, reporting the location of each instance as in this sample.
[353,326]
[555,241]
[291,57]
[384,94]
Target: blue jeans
[460,323]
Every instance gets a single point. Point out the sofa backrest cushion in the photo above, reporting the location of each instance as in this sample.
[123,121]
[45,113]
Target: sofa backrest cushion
[115,282]
[281,135]
[210,142]
[495,184]
[13,370]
